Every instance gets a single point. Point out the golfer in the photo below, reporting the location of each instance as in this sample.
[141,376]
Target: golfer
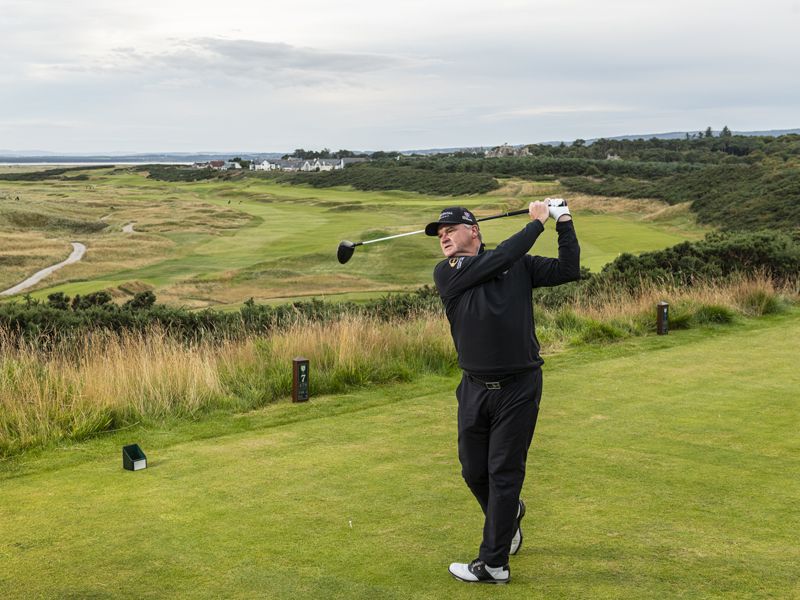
[487,298]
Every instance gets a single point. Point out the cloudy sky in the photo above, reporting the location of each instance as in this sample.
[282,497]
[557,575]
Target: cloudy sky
[193,75]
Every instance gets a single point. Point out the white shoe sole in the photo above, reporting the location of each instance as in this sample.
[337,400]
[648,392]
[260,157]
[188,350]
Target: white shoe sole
[461,572]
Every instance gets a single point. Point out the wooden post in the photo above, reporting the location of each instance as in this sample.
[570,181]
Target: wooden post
[299,379]
[662,318]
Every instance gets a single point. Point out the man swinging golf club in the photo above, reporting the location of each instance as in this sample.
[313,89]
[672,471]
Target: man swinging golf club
[487,298]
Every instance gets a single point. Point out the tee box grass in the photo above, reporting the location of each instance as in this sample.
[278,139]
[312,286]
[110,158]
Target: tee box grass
[661,467]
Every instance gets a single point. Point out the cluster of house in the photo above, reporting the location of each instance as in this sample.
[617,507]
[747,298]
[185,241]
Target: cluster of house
[299,164]
[220,165]
[289,164]
[506,150]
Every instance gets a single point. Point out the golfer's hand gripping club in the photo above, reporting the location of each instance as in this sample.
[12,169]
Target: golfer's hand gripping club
[538,211]
[557,207]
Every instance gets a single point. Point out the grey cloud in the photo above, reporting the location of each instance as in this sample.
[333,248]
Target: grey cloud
[279,64]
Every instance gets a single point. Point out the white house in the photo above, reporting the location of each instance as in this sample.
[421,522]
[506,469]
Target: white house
[323,164]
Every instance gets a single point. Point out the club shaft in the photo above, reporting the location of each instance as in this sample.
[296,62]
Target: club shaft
[513,213]
[392,237]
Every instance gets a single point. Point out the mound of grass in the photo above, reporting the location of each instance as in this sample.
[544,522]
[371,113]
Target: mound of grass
[593,332]
[713,314]
[760,302]
[680,316]
[176,173]
[25,220]
[44,174]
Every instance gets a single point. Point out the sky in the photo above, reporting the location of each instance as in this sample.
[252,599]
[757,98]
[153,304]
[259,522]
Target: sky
[91,76]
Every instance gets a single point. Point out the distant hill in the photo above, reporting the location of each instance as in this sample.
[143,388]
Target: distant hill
[673,135]
[43,156]
[27,157]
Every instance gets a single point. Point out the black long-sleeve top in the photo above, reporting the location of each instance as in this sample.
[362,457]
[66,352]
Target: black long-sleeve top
[488,301]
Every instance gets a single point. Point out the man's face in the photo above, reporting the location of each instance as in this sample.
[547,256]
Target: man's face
[458,240]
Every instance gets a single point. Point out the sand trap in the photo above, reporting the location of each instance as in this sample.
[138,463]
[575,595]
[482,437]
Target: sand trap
[129,227]
[78,251]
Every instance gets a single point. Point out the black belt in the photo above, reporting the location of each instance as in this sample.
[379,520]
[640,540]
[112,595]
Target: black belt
[496,384]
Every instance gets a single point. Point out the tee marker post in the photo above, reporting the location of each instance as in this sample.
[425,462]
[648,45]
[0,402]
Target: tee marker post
[299,379]
[662,318]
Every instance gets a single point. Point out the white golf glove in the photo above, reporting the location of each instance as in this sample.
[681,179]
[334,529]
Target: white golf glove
[557,207]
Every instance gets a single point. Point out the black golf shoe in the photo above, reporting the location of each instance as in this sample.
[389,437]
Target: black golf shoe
[516,541]
[479,572]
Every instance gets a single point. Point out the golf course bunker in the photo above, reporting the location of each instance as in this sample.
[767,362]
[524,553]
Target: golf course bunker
[78,250]
[129,227]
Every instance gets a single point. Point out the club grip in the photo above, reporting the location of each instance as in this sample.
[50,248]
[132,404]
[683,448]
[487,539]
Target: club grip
[513,213]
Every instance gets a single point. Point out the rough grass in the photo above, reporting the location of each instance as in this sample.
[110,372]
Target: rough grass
[24,253]
[109,382]
[613,314]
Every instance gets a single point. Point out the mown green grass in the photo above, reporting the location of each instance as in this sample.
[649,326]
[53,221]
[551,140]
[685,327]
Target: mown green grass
[661,467]
[284,246]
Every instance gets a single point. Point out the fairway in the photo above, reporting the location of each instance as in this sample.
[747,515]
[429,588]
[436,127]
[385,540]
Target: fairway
[219,243]
[661,467]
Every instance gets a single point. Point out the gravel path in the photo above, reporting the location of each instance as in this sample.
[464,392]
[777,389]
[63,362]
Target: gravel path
[78,251]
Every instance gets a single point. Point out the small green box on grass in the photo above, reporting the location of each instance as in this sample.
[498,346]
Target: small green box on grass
[133,458]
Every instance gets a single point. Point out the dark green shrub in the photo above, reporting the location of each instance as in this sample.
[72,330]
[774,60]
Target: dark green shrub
[713,314]
[141,301]
[57,173]
[100,298]
[369,177]
[719,255]
[176,173]
[594,332]
[58,300]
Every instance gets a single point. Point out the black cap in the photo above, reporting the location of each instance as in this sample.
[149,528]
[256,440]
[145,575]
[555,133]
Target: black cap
[452,215]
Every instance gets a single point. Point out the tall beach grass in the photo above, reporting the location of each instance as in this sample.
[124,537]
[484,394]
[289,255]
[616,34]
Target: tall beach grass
[108,381]
[113,381]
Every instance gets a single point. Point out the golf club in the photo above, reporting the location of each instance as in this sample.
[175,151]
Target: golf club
[346,248]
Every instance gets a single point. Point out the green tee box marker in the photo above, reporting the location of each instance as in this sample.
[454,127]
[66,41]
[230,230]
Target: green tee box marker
[133,458]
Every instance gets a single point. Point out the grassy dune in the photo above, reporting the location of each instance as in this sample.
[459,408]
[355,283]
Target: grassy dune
[219,243]
[662,467]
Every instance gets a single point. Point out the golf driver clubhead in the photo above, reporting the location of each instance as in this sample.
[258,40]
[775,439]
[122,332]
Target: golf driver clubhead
[346,248]
[345,251]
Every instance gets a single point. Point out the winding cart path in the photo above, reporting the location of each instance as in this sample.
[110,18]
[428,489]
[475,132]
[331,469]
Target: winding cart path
[78,250]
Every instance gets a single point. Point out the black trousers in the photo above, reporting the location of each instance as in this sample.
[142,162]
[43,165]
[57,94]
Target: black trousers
[495,429]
